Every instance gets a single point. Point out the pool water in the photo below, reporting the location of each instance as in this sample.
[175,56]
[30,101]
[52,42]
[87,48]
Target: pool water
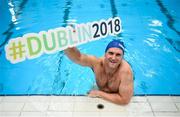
[150,31]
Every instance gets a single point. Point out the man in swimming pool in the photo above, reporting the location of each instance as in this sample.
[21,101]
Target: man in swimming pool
[113,74]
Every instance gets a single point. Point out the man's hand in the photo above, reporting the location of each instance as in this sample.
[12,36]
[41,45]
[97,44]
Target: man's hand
[94,93]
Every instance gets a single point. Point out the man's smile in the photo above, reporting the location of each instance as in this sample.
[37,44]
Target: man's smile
[112,61]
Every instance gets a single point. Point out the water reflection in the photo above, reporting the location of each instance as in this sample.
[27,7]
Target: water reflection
[15,11]
[170,24]
[155,23]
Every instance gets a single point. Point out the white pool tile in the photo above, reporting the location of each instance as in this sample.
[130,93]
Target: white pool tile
[138,107]
[1,97]
[85,107]
[63,99]
[21,99]
[176,98]
[113,114]
[36,106]
[85,99]
[67,107]
[126,114]
[139,99]
[40,98]
[110,107]
[33,114]
[159,99]
[80,106]
[59,114]
[7,106]
[9,114]
[141,114]
[86,114]
[164,106]
[178,106]
[168,114]
[100,100]
[92,107]
[89,99]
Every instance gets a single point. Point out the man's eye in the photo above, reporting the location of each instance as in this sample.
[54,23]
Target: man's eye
[118,54]
[111,53]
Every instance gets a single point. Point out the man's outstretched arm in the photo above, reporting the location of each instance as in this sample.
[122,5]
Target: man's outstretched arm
[82,59]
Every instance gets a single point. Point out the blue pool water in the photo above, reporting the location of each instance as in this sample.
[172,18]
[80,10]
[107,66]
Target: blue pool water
[150,31]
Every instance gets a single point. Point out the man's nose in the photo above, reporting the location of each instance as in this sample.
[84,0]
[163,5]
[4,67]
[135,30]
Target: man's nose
[113,57]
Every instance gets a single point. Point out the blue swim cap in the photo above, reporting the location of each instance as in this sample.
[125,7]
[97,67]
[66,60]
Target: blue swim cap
[115,44]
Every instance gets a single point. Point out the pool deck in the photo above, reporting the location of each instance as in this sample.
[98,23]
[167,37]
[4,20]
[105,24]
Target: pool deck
[83,106]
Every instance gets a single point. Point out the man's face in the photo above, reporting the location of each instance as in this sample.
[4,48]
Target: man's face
[113,57]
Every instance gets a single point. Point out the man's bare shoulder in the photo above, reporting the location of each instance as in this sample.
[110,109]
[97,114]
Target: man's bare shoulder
[126,66]
[126,69]
[94,60]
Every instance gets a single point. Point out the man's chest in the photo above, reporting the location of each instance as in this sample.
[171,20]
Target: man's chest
[108,84]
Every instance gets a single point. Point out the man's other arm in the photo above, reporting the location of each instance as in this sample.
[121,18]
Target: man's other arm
[122,97]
